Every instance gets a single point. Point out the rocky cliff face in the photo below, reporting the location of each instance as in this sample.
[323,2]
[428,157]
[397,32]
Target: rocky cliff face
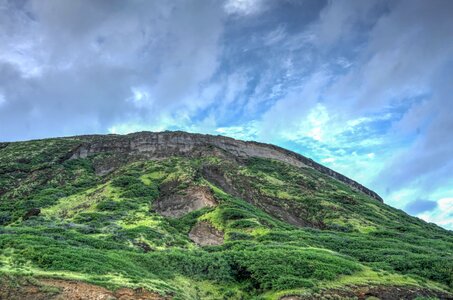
[166,144]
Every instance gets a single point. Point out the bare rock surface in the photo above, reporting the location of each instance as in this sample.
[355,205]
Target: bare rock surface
[179,203]
[287,211]
[204,234]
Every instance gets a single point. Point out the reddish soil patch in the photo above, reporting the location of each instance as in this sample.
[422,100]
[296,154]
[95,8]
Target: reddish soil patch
[56,289]
[373,292]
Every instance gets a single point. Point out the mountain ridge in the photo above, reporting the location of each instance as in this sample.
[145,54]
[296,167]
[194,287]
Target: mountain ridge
[146,141]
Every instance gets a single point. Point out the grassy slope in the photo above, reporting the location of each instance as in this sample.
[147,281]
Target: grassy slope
[92,228]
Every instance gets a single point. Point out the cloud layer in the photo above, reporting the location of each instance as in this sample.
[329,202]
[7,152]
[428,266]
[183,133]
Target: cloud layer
[362,86]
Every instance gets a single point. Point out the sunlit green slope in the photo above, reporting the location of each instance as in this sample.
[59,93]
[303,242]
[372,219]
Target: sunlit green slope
[279,230]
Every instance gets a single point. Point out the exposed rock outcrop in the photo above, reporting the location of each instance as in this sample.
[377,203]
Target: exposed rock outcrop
[216,176]
[287,211]
[166,144]
[204,234]
[182,202]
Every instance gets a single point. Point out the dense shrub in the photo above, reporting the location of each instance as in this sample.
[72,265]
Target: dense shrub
[5,218]
[124,181]
[235,235]
[102,234]
[243,223]
[278,268]
[108,204]
[140,190]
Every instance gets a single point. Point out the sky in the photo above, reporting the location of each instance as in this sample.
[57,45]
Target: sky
[363,87]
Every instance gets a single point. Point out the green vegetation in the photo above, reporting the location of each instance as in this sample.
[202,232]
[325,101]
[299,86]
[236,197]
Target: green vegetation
[104,229]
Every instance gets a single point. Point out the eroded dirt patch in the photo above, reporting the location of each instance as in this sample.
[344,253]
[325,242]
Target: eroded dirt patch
[176,204]
[204,234]
[375,292]
[56,289]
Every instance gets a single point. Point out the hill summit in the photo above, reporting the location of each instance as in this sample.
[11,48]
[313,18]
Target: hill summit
[175,215]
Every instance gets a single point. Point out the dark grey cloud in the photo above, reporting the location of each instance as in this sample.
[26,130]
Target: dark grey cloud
[75,67]
[419,206]
[428,161]
[403,52]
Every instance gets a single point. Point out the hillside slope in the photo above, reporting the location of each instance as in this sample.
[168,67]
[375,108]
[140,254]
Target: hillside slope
[184,216]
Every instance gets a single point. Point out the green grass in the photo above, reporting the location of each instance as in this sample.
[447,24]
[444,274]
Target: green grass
[93,228]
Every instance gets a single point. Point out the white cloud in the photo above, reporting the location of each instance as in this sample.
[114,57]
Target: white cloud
[313,125]
[371,155]
[317,119]
[442,215]
[140,97]
[328,160]
[287,117]
[243,7]
[246,132]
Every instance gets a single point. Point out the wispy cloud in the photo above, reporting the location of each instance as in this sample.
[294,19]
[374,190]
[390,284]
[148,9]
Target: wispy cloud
[244,7]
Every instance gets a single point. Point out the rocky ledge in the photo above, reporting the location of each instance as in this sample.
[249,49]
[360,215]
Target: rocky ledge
[177,143]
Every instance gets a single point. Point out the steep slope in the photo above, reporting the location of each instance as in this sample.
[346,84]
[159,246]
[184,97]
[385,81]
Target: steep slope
[190,216]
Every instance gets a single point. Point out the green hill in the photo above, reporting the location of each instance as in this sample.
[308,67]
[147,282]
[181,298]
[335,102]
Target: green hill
[184,216]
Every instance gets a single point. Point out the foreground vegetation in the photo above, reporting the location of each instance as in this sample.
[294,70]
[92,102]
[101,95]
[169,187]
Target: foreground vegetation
[104,230]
